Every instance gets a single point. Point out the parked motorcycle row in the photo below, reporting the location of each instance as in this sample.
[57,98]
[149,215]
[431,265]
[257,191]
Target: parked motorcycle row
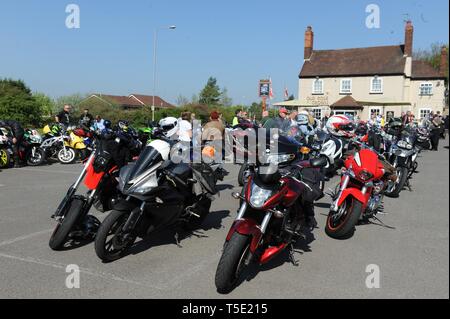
[150,191]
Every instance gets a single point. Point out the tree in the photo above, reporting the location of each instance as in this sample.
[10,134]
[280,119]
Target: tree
[225,100]
[17,103]
[432,55]
[73,100]
[210,95]
[46,103]
[182,100]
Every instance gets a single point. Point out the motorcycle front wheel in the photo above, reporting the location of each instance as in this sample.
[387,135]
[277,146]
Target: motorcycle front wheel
[111,243]
[67,224]
[341,224]
[243,174]
[35,156]
[67,155]
[232,263]
[4,158]
[402,176]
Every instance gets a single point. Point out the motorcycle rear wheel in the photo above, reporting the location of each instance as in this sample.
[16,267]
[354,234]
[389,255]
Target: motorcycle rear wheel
[63,228]
[232,263]
[345,225]
[110,243]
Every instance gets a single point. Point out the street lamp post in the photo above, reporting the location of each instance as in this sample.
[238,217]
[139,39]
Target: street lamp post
[155,41]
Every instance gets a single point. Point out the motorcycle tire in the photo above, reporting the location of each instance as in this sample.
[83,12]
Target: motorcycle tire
[63,228]
[5,158]
[69,157]
[232,263]
[346,226]
[402,178]
[242,174]
[112,225]
[39,157]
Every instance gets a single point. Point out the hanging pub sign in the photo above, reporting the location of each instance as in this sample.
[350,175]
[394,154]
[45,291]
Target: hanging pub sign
[264,88]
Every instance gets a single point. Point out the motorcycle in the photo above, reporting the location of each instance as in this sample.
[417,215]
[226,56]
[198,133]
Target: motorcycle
[402,155]
[270,217]
[5,148]
[158,193]
[361,191]
[423,138]
[73,222]
[331,148]
[59,145]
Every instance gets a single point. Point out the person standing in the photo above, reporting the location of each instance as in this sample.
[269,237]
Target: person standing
[86,119]
[213,130]
[435,126]
[63,117]
[99,124]
[237,117]
[185,127]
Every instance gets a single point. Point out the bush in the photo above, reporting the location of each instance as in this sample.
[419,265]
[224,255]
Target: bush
[17,103]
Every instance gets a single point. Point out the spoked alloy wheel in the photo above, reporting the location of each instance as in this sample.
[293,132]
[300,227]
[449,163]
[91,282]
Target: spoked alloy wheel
[111,242]
[4,158]
[395,189]
[67,155]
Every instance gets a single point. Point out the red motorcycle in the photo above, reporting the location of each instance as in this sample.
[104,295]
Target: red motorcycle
[73,222]
[269,219]
[360,194]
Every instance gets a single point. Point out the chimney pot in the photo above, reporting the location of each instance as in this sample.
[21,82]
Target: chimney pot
[443,66]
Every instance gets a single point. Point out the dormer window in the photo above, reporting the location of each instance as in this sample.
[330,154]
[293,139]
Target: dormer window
[317,86]
[376,85]
[346,86]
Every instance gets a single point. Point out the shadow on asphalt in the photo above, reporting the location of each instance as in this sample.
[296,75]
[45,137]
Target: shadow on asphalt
[167,236]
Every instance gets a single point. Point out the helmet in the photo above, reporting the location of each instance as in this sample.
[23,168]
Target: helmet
[123,125]
[107,124]
[302,119]
[169,126]
[340,126]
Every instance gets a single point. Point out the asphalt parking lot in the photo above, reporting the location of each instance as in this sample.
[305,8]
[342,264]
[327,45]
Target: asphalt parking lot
[413,255]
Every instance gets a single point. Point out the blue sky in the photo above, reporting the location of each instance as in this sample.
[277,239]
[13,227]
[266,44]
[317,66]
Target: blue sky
[238,42]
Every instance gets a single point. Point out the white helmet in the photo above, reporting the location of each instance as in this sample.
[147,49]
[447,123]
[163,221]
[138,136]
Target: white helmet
[302,119]
[162,147]
[340,126]
[169,125]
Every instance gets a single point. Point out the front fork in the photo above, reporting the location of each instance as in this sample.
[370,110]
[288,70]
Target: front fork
[344,184]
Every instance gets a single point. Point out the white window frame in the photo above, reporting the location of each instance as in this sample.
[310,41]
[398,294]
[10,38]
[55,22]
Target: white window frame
[379,109]
[343,112]
[314,92]
[428,85]
[428,111]
[315,110]
[380,91]
[351,86]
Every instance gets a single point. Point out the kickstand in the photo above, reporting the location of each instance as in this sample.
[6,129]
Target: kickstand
[382,224]
[177,242]
[292,257]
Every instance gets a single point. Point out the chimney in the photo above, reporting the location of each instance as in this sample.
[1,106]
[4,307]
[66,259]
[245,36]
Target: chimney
[309,42]
[409,31]
[443,66]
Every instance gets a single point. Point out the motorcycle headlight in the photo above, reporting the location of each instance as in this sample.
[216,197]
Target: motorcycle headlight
[404,144]
[365,175]
[279,158]
[259,196]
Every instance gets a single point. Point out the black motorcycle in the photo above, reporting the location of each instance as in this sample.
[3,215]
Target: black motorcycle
[158,193]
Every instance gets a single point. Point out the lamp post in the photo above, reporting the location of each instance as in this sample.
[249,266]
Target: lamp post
[155,41]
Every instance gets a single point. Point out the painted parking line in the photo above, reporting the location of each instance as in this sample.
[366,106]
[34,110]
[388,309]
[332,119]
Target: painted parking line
[87,271]
[24,237]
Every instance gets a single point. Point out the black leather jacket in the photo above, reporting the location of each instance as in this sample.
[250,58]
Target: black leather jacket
[14,126]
